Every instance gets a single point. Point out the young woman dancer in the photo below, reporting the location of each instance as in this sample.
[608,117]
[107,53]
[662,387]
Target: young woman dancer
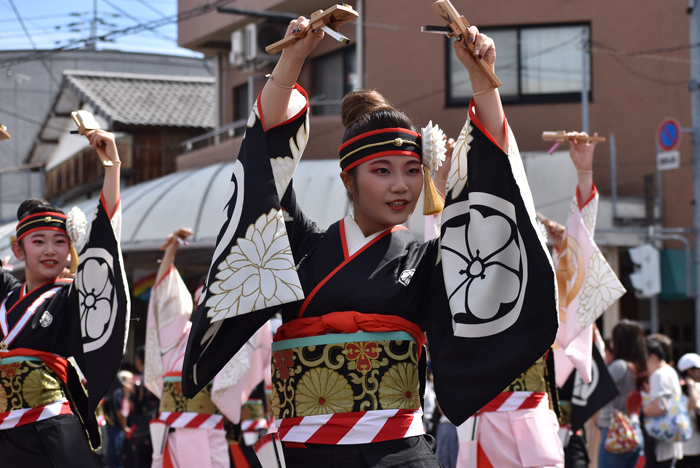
[357,298]
[45,412]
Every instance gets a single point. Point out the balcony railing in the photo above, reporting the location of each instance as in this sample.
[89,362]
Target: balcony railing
[232,129]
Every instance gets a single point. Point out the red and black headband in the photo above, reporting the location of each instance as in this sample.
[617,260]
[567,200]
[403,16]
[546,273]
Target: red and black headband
[40,221]
[378,143]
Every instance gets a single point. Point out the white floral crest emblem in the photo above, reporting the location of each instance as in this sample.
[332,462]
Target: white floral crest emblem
[485,268]
[258,273]
[95,290]
[434,146]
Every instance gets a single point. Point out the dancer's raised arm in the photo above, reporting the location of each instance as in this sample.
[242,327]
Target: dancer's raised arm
[278,89]
[103,142]
[486,97]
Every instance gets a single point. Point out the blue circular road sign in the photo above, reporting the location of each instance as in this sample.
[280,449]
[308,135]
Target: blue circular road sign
[668,136]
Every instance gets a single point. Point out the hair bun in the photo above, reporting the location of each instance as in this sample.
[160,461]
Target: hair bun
[29,206]
[362,103]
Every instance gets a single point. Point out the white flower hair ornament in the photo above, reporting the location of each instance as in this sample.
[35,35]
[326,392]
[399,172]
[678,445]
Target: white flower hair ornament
[434,146]
[434,149]
[76,227]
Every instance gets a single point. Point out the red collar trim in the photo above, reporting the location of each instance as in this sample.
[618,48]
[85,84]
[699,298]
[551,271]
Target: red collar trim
[343,264]
[477,122]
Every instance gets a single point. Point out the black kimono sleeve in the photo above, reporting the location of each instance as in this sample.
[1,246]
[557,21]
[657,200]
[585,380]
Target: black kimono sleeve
[253,268]
[8,283]
[493,309]
[99,302]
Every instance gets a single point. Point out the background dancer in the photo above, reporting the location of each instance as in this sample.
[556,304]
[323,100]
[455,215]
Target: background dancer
[199,438]
[44,410]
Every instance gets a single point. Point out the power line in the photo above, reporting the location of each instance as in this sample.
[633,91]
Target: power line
[137,21]
[31,41]
[35,18]
[646,52]
[29,120]
[152,8]
[111,36]
[633,72]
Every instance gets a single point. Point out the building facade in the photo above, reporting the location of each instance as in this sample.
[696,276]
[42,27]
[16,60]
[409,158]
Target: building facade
[633,55]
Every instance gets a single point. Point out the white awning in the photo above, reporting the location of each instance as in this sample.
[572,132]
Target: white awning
[196,199]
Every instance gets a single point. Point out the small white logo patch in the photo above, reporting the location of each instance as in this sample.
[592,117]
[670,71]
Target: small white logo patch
[406,276]
[46,319]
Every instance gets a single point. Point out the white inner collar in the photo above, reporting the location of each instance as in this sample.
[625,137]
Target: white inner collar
[354,236]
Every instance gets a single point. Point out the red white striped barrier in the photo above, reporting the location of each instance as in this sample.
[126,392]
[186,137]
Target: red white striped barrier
[513,401]
[192,420]
[360,427]
[16,418]
[253,425]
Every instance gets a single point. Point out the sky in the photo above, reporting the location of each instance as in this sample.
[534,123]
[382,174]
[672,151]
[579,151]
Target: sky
[53,23]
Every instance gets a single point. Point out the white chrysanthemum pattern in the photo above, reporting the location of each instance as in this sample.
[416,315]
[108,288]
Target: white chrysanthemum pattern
[258,272]
[601,289]
[457,179]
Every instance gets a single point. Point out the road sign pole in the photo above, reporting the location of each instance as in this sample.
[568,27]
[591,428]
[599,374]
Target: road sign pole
[694,18]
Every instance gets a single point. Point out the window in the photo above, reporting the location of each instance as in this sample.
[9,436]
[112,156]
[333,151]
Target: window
[535,64]
[334,77]
[241,110]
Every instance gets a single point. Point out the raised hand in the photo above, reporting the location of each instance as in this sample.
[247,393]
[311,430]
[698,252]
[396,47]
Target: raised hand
[581,152]
[484,49]
[302,48]
[488,101]
[103,142]
[555,231]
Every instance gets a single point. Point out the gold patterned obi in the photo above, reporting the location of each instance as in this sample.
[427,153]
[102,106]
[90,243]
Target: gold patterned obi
[344,372]
[253,410]
[173,401]
[532,380]
[27,382]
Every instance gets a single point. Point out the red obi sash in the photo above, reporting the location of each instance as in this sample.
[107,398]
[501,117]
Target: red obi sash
[56,363]
[348,322]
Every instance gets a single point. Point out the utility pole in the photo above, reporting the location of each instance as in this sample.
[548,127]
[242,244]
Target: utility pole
[360,45]
[694,17]
[93,27]
[584,81]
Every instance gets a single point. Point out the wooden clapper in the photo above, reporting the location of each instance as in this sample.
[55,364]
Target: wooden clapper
[457,25]
[327,21]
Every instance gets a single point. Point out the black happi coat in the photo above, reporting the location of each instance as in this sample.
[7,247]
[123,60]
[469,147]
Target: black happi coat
[484,292]
[86,318]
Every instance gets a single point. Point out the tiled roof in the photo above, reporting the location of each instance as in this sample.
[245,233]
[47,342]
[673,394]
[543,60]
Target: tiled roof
[152,100]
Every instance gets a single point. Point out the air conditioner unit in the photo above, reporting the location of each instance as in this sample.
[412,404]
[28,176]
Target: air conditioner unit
[237,55]
[258,36]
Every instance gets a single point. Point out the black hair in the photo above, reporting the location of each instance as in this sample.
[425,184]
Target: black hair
[140,353]
[628,344]
[365,110]
[666,344]
[655,347]
[36,205]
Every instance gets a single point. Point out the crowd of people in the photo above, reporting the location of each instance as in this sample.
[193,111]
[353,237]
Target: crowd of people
[474,336]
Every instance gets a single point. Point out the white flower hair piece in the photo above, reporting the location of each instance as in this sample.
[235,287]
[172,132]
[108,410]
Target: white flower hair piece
[434,146]
[76,225]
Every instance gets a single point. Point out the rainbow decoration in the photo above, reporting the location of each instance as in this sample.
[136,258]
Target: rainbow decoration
[142,287]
